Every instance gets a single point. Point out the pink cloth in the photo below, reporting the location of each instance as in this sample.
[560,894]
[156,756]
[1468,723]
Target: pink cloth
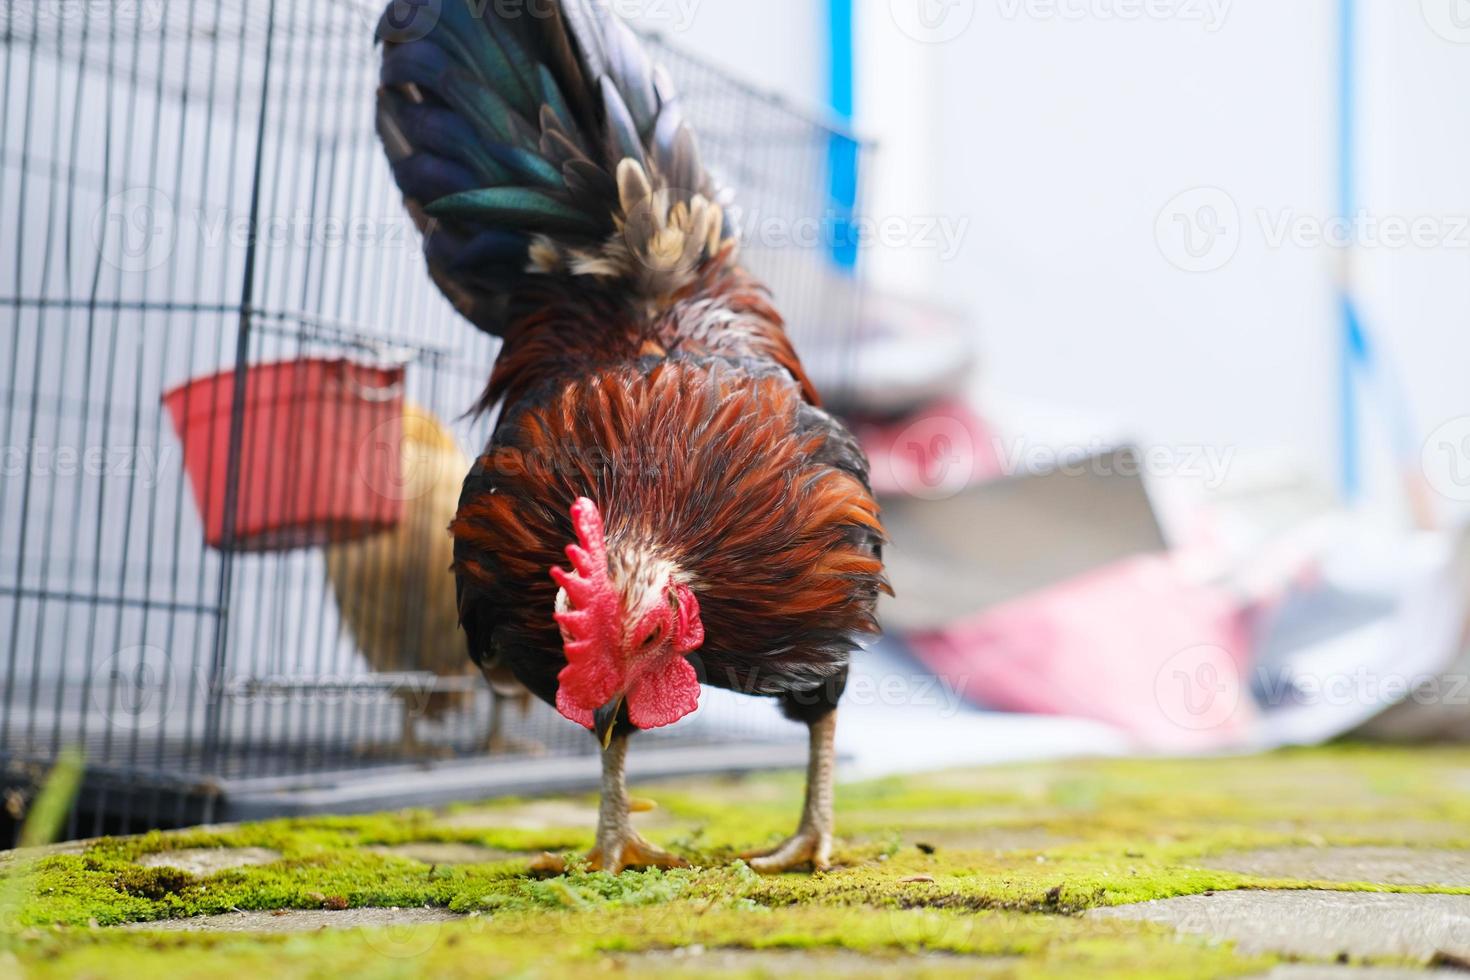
[1133,644]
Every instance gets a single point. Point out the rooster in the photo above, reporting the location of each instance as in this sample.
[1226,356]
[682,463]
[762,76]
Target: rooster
[663,502]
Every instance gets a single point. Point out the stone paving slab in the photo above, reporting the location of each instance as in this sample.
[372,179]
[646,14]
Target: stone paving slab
[795,963]
[1321,925]
[1394,833]
[433,852]
[204,861]
[298,921]
[1382,865]
[534,815]
[994,839]
[1310,971]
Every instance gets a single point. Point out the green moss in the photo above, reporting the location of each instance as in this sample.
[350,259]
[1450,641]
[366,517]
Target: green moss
[586,943]
[1010,858]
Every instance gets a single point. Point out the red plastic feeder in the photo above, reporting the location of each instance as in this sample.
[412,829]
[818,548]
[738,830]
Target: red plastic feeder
[318,449]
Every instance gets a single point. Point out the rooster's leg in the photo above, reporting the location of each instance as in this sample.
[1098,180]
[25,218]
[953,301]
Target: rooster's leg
[811,845]
[618,845]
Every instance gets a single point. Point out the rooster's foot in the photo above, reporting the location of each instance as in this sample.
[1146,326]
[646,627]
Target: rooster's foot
[629,852]
[811,845]
[803,849]
[632,852]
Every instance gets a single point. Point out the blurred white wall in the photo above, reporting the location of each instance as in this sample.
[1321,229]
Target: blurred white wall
[1060,131]
[1076,135]
[1063,131]
[1416,148]
[780,45]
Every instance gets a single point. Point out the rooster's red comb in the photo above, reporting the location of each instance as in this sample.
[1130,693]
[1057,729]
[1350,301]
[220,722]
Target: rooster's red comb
[590,623]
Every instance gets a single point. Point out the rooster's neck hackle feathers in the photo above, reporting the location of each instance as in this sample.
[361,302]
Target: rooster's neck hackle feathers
[724,315]
[780,545]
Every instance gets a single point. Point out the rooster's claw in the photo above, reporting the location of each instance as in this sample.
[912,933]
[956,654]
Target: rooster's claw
[633,852]
[804,849]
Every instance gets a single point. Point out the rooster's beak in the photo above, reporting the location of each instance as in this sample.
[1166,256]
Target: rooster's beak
[605,719]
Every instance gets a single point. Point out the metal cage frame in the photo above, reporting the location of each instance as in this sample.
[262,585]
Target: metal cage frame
[195,187]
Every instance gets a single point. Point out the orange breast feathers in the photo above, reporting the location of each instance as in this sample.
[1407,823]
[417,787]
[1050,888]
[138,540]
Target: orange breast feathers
[699,500]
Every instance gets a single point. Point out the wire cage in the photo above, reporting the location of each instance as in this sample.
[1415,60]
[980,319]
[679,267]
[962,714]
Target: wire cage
[232,415]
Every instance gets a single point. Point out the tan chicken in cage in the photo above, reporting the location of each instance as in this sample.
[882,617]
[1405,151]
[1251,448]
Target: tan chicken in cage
[396,593]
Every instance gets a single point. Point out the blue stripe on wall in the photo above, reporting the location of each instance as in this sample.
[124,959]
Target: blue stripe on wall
[1354,353]
[842,152]
[839,27]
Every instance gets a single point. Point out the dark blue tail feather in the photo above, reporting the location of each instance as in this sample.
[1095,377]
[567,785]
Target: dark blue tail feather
[501,126]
